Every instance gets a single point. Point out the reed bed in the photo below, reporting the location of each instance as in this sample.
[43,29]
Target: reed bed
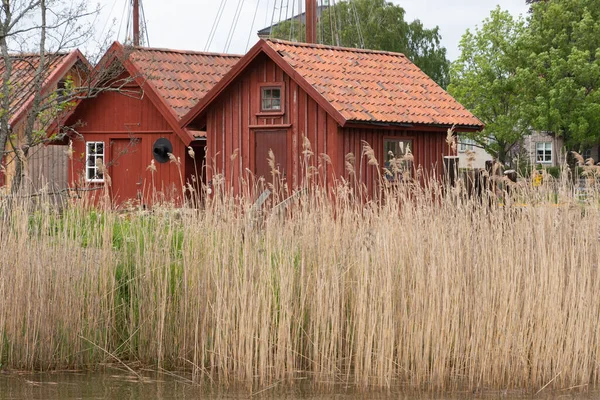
[426,287]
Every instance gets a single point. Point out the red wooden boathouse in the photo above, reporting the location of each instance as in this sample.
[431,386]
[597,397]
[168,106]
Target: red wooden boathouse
[338,98]
[46,165]
[130,128]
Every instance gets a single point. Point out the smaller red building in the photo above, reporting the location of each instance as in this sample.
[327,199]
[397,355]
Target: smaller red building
[46,165]
[338,98]
[128,132]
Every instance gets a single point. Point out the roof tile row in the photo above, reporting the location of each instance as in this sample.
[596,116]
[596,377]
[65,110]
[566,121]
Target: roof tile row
[373,86]
[181,78]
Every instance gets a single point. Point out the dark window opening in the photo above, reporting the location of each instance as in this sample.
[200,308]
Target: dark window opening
[61,89]
[398,159]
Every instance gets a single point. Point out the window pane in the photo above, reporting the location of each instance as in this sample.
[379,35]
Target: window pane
[95,156]
[271,99]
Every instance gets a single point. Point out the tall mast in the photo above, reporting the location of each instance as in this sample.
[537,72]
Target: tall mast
[136,23]
[311,21]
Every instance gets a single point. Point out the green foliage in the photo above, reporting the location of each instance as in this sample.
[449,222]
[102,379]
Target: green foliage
[484,79]
[376,25]
[562,71]
[554,171]
[290,30]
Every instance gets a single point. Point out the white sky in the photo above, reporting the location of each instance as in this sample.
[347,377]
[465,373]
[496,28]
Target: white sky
[186,24]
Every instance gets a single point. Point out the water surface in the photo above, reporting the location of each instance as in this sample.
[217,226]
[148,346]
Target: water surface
[107,385]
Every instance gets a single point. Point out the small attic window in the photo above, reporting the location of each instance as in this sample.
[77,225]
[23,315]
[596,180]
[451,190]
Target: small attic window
[272,96]
[271,99]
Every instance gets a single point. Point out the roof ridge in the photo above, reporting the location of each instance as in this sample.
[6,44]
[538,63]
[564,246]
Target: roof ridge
[178,51]
[48,54]
[331,47]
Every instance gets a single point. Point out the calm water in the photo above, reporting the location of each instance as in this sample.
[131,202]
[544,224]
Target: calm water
[50,386]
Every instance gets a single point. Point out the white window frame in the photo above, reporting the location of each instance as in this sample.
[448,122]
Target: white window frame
[99,177]
[465,144]
[546,148]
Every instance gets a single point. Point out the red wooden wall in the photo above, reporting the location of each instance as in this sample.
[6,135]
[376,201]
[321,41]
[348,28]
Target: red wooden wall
[117,117]
[428,148]
[234,118]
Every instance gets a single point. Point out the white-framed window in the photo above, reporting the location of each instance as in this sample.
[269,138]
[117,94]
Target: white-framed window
[543,152]
[465,143]
[587,153]
[94,156]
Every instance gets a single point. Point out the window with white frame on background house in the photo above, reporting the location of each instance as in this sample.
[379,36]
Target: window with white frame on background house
[271,99]
[396,164]
[543,152]
[465,143]
[94,158]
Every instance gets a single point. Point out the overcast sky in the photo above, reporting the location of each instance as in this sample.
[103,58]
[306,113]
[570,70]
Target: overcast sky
[186,24]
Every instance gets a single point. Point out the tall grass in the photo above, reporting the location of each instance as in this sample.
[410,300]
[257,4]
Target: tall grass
[427,288]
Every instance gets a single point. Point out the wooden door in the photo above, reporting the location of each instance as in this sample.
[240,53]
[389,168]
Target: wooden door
[125,169]
[265,141]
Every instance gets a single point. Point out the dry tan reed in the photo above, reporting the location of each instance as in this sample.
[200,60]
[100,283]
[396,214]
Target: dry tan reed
[427,288]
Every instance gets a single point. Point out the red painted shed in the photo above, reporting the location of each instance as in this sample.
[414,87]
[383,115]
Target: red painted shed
[138,123]
[45,164]
[338,98]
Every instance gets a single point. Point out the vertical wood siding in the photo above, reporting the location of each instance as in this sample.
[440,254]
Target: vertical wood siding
[235,116]
[116,116]
[48,168]
[429,148]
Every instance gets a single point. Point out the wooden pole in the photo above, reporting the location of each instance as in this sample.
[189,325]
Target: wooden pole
[136,23]
[451,169]
[311,21]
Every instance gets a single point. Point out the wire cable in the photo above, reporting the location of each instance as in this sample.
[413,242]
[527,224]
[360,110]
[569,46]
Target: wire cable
[213,30]
[252,26]
[123,15]
[144,24]
[273,18]
[361,39]
[108,18]
[236,17]
[293,21]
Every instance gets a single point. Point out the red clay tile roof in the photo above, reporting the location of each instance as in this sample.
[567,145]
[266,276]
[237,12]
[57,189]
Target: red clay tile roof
[181,78]
[374,86]
[24,68]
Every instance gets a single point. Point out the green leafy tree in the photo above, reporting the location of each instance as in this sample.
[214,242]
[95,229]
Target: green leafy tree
[484,79]
[562,72]
[377,25]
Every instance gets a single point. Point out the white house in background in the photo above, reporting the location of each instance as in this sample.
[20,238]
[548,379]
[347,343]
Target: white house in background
[549,150]
[466,144]
[543,149]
